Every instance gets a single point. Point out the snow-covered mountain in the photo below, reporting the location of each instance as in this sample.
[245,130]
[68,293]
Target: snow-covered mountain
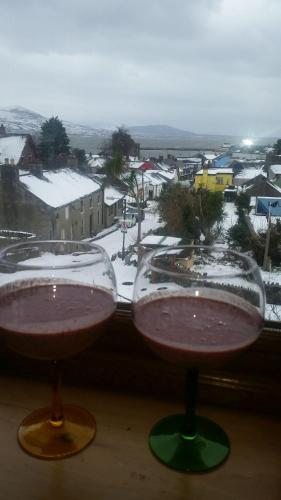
[17,119]
[21,120]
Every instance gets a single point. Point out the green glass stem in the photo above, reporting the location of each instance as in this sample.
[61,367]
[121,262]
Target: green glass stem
[57,409]
[191,387]
[186,442]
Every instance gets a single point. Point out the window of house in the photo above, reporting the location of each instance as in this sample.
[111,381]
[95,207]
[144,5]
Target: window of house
[219,180]
[66,213]
[91,201]
[81,205]
[82,226]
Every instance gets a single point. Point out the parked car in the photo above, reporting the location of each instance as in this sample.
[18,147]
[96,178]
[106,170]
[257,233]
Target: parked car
[134,211]
[130,220]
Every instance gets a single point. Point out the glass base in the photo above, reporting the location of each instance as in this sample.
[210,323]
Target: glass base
[206,450]
[38,437]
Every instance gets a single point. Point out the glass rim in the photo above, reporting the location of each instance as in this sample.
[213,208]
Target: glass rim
[253,266]
[28,244]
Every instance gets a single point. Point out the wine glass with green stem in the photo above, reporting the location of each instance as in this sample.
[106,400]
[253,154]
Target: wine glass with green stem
[198,307]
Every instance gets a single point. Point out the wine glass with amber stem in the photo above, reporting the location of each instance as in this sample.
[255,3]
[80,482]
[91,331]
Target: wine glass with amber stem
[55,298]
[198,307]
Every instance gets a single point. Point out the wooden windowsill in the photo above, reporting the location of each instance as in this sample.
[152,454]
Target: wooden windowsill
[121,361]
[119,464]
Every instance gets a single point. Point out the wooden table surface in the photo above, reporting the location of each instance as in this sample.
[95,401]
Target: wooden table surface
[119,465]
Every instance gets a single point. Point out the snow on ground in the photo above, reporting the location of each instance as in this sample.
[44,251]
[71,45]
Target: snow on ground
[259,222]
[230,216]
[112,243]
[126,274]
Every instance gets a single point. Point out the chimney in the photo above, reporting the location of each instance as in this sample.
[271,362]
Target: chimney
[37,170]
[9,172]
[2,131]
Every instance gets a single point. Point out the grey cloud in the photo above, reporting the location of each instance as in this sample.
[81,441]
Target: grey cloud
[71,26]
[203,65]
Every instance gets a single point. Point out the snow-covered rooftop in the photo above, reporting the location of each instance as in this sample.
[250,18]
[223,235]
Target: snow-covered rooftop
[154,178]
[216,171]
[12,148]
[167,175]
[276,169]
[189,160]
[210,157]
[135,164]
[58,188]
[250,173]
[112,195]
[163,166]
[96,162]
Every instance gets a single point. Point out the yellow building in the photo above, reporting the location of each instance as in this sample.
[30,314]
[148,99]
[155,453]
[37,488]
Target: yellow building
[214,179]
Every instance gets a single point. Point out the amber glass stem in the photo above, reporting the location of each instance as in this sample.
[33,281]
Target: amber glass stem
[57,411]
[191,386]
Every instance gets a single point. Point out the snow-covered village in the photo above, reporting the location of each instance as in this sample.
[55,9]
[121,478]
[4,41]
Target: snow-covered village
[140,250]
[130,203]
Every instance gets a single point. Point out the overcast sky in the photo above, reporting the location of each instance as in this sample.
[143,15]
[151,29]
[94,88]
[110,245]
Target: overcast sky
[208,66]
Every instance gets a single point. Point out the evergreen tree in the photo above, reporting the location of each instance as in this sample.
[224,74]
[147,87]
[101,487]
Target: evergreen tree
[188,213]
[122,143]
[54,143]
[274,156]
[277,147]
[80,155]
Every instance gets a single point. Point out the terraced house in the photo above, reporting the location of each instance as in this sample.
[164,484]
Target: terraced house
[52,204]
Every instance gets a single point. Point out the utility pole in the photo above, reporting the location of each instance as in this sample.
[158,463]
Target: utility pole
[124,227]
[267,240]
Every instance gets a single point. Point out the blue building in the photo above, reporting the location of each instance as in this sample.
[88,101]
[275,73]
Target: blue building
[264,203]
[222,161]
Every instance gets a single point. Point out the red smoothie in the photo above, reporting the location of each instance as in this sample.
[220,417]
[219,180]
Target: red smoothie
[47,321]
[209,328]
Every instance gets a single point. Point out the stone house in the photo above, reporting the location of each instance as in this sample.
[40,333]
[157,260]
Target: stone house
[62,204]
[113,204]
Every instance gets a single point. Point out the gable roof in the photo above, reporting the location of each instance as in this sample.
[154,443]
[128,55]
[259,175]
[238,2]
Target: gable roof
[112,195]
[60,187]
[11,147]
